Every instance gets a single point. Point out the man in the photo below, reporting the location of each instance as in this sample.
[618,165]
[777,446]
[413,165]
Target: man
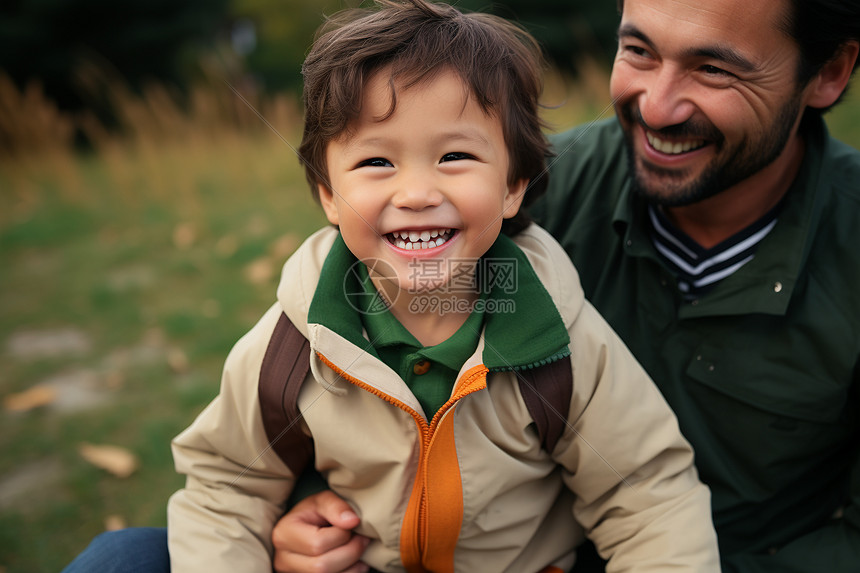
[714,225]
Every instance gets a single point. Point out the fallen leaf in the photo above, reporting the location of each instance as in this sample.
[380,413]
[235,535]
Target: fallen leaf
[115,523]
[227,246]
[260,271]
[114,380]
[27,400]
[184,235]
[119,461]
[284,246]
[177,360]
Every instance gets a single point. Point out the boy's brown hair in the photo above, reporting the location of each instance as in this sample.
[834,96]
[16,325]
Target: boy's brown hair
[499,62]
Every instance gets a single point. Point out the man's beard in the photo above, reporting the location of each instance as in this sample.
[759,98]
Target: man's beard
[728,168]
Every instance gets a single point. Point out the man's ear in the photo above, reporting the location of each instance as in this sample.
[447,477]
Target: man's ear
[328,203]
[830,82]
[514,198]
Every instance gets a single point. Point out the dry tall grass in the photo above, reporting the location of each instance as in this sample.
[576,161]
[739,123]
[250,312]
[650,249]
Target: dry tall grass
[166,145]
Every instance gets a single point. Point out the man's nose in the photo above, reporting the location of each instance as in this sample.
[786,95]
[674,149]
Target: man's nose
[665,98]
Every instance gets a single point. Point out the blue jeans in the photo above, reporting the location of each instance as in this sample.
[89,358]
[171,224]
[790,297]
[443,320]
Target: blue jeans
[133,550]
[144,550]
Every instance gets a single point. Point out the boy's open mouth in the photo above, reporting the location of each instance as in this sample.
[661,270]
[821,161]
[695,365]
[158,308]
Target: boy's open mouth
[417,240]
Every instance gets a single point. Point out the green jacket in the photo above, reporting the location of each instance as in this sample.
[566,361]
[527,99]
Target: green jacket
[763,370]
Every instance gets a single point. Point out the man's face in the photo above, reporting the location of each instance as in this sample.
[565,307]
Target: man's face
[706,93]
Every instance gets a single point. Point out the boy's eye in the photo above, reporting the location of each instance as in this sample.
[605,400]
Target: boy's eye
[455,156]
[375,162]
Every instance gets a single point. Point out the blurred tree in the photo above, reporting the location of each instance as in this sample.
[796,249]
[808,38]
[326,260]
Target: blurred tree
[274,35]
[569,30]
[141,40]
[282,32]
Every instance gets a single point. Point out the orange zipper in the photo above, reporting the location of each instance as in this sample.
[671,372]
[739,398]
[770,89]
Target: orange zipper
[416,533]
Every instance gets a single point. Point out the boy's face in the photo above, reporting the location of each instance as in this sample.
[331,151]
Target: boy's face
[423,191]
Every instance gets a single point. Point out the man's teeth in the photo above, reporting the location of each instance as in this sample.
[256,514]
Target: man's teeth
[417,240]
[673,148]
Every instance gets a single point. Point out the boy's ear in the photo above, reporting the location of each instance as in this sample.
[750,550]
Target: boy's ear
[514,199]
[830,82]
[328,203]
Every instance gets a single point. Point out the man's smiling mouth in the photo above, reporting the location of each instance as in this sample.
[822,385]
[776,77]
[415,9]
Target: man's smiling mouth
[418,240]
[673,147]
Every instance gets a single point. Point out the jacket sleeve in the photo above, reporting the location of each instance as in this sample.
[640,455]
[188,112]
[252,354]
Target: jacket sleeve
[638,495]
[236,485]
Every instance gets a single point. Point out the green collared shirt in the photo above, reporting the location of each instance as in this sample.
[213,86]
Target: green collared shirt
[429,371]
[763,371]
[521,326]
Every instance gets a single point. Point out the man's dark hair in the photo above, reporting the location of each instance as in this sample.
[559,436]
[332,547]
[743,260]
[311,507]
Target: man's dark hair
[499,62]
[821,28]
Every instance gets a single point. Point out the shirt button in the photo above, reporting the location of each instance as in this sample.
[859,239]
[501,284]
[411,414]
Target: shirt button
[421,367]
[777,286]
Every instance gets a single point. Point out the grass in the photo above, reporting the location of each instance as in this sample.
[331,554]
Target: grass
[158,250]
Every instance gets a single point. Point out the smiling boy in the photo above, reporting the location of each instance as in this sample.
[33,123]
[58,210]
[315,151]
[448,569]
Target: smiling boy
[422,141]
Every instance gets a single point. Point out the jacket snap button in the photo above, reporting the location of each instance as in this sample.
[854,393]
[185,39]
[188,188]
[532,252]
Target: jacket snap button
[421,367]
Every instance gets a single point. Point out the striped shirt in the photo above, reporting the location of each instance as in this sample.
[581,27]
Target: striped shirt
[696,268]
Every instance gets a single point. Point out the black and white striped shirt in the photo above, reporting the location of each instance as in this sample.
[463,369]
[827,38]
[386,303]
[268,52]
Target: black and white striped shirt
[696,268]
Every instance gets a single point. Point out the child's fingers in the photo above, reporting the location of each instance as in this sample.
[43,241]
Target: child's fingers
[342,559]
[334,510]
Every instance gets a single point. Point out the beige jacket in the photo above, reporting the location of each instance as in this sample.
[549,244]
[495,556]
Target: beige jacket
[470,491]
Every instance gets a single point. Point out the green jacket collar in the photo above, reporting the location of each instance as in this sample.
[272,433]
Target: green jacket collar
[522,327]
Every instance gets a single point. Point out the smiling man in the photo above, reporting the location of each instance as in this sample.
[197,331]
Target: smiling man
[714,224]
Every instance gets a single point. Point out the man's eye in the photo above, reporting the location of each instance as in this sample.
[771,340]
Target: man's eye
[714,71]
[455,156]
[375,162]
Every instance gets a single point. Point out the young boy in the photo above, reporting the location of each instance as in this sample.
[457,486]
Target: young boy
[422,141]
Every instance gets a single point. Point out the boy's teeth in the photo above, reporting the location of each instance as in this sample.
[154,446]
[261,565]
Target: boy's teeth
[417,240]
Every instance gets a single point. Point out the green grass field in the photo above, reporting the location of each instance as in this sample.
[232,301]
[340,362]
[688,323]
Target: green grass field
[125,277]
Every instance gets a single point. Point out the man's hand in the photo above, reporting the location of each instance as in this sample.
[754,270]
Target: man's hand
[316,537]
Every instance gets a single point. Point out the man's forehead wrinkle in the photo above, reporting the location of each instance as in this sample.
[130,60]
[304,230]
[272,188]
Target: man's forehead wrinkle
[697,14]
[704,18]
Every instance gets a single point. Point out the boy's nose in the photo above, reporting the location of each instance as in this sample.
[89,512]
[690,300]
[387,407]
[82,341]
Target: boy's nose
[417,195]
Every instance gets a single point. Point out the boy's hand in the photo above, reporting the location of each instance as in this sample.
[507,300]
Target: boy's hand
[316,536]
